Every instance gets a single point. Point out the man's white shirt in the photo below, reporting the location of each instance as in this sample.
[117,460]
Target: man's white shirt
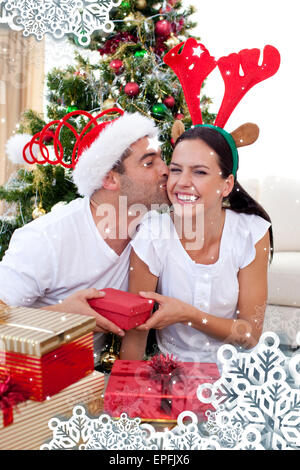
[58,254]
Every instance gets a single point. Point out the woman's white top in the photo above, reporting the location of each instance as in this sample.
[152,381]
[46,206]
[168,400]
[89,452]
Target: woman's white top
[212,288]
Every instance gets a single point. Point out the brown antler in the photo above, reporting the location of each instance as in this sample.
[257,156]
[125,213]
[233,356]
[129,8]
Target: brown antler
[192,65]
[236,85]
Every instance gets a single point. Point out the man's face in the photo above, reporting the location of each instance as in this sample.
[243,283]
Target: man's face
[145,177]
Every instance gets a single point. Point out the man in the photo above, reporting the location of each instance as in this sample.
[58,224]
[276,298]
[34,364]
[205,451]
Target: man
[61,260]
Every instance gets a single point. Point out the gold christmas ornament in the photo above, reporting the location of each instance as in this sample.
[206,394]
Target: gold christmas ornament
[172,41]
[38,211]
[141,4]
[108,103]
[107,359]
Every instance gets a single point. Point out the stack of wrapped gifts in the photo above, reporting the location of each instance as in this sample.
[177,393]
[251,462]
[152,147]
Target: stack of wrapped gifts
[46,368]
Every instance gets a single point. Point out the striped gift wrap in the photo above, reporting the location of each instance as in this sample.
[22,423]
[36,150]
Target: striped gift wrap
[45,351]
[30,430]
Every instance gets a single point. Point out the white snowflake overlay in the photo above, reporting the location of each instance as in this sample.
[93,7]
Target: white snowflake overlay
[256,401]
[59,17]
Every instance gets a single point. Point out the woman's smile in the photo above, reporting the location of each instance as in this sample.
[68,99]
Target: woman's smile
[186,198]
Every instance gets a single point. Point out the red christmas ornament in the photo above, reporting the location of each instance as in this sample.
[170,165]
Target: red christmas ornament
[163,28]
[48,137]
[116,65]
[169,101]
[179,116]
[131,89]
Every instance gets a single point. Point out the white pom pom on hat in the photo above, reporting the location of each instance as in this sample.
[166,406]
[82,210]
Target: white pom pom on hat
[111,139]
[15,145]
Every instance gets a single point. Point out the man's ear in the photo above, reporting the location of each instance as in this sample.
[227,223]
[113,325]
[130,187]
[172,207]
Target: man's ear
[111,181]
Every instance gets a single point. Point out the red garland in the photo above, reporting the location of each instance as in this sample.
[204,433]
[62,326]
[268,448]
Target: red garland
[10,395]
[160,46]
[111,45]
[177,26]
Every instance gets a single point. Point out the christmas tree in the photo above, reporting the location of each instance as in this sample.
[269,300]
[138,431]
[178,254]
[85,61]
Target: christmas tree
[130,74]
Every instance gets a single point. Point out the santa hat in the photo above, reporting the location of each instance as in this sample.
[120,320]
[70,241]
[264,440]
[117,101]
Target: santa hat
[103,147]
[96,151]
[15,145]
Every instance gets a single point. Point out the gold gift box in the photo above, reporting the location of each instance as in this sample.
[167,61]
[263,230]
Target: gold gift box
[36,332]
[30,430]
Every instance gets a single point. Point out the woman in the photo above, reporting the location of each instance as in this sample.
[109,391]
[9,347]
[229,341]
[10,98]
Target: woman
[213,294]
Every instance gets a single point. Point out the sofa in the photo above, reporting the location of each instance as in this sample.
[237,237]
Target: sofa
[280,197]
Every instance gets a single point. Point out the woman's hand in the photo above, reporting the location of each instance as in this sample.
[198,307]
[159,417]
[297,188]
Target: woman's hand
[170,311]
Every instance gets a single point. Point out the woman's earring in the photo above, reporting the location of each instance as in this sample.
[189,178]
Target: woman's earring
[226,202]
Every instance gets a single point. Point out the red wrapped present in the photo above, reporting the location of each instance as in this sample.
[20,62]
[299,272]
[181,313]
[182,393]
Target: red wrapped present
[125,309]
[140,390]
[45,351]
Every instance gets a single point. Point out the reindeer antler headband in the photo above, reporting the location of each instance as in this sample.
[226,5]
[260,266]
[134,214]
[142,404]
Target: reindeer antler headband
[192,63]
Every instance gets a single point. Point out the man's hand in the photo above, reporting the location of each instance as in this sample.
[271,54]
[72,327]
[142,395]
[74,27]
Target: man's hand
[78,303]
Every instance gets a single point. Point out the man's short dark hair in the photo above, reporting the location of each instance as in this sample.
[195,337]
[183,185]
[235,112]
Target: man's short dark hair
[119,166]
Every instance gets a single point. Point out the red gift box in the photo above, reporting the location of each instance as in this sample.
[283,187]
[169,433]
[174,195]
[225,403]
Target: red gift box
[45,351]
[136,389]
[124,309]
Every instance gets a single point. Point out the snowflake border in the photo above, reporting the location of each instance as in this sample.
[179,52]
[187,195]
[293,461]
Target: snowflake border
[256,401]
[59,17]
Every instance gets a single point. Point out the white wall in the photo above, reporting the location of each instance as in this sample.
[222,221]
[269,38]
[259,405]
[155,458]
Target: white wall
[227,26]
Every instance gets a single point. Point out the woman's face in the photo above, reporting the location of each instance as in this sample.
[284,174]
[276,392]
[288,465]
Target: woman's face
[195,176]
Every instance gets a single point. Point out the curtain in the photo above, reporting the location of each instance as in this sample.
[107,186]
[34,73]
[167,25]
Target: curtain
[21,86]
